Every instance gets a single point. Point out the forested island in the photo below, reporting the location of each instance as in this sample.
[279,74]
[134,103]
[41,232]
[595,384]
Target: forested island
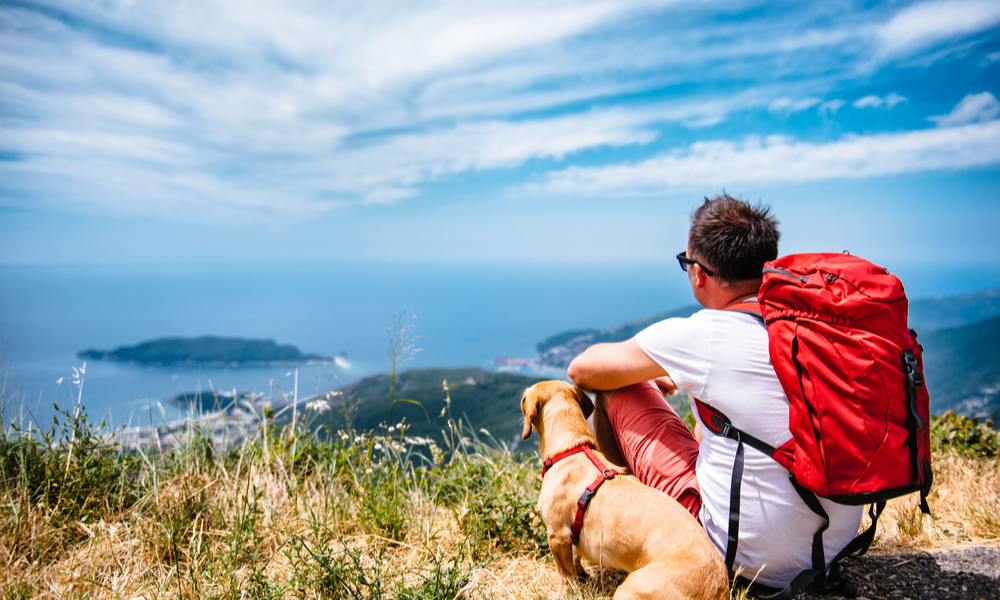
[207,350]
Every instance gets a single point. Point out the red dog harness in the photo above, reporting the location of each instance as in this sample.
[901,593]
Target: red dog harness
[581,504]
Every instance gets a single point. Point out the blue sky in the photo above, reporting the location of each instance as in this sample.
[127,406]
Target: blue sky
[203,130]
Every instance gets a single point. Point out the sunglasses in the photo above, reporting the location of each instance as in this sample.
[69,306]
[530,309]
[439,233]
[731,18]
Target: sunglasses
[685,261]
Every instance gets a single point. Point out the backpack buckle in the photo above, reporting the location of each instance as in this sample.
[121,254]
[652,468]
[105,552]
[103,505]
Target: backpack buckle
[912,371]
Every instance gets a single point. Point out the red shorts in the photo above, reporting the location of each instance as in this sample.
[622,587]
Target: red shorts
[659,448]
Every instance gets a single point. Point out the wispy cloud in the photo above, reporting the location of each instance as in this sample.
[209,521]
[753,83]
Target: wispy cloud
[779,159]
[923,25]
[972,108]
[830,107]
[873,101]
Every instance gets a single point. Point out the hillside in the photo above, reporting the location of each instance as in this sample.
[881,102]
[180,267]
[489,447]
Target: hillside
[205,350]
[962,366]
[954,311]
[559,350]
[485,399]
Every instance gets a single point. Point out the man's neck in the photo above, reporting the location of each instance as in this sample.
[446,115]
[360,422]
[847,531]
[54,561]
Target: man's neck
[725,297]
[741,299]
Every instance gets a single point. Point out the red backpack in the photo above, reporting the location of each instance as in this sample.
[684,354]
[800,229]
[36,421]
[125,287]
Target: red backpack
[859,412]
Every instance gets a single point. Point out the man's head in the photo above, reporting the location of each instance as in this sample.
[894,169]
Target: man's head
[733,238]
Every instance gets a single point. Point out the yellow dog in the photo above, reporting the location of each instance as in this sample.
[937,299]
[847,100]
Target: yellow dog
[627,525]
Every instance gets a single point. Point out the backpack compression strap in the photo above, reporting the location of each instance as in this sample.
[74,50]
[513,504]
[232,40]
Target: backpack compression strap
[916,425]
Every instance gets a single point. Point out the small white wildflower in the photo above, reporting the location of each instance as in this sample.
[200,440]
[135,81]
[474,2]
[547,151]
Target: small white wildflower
[368,471]
[378,446]
[357,440]
[320,406]
[391,429]
[399,425]
[344,437]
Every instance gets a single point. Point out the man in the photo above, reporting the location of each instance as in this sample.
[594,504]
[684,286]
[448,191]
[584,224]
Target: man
[721,358]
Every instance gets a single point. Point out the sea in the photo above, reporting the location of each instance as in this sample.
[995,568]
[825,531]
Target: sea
[456,315]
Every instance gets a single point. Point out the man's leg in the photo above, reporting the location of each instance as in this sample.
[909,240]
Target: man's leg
[638,428]
[603,431]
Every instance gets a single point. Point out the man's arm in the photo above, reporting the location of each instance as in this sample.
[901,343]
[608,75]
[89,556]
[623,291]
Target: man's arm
[614,366]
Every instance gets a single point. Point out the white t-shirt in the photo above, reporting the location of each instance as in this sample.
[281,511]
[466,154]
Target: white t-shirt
[721,358]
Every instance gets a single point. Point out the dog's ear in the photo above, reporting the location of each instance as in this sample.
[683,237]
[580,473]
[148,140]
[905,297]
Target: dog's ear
[529,406]
[586,405]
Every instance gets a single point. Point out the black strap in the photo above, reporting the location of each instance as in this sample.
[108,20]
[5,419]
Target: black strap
[916,425]
[818,555]
[720,424]
[734,505]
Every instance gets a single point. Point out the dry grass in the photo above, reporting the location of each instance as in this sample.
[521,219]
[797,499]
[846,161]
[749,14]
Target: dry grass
[965,508]
[293,516]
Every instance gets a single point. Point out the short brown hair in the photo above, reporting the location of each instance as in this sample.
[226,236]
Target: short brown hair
[733,237]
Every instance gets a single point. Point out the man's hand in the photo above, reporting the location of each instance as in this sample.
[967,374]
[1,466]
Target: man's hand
[666,384]
[614,366]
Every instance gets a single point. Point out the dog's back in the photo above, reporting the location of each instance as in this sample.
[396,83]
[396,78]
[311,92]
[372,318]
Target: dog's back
[641,530]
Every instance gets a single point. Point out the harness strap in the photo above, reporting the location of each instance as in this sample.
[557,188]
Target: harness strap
[548,462]
[584,501]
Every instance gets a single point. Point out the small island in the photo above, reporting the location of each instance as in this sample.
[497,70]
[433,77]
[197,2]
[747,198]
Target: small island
[209,351]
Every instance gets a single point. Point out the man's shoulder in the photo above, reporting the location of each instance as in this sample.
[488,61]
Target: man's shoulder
[707,317]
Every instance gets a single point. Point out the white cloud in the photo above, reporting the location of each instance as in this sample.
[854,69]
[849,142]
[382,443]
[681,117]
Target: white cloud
[388,195]
[972,108]
[792,105]
[830,107]
[921,26]
[777,159]
[873,101]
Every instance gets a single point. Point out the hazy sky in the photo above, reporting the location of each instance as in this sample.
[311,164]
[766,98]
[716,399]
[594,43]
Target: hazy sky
[213,130]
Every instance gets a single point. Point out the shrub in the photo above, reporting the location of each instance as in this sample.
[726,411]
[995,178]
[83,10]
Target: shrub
[507,521]
[965,436]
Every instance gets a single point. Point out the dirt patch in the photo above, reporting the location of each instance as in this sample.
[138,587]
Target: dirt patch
[954,574]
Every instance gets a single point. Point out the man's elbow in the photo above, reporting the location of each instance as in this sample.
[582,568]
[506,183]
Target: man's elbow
[580,372]
[575,372]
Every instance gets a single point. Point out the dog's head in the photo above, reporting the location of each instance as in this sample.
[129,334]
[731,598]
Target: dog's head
[540,394]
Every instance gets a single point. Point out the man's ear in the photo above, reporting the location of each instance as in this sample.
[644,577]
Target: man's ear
[700,276]
[529,406]
[586,405]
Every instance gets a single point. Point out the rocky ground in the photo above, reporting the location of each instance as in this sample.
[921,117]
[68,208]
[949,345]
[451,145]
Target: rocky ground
[953,574]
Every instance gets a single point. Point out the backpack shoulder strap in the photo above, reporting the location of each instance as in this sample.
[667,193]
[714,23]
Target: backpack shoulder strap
[750,307]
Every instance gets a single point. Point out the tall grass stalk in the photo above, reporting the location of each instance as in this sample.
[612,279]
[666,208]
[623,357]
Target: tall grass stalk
[401,349]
